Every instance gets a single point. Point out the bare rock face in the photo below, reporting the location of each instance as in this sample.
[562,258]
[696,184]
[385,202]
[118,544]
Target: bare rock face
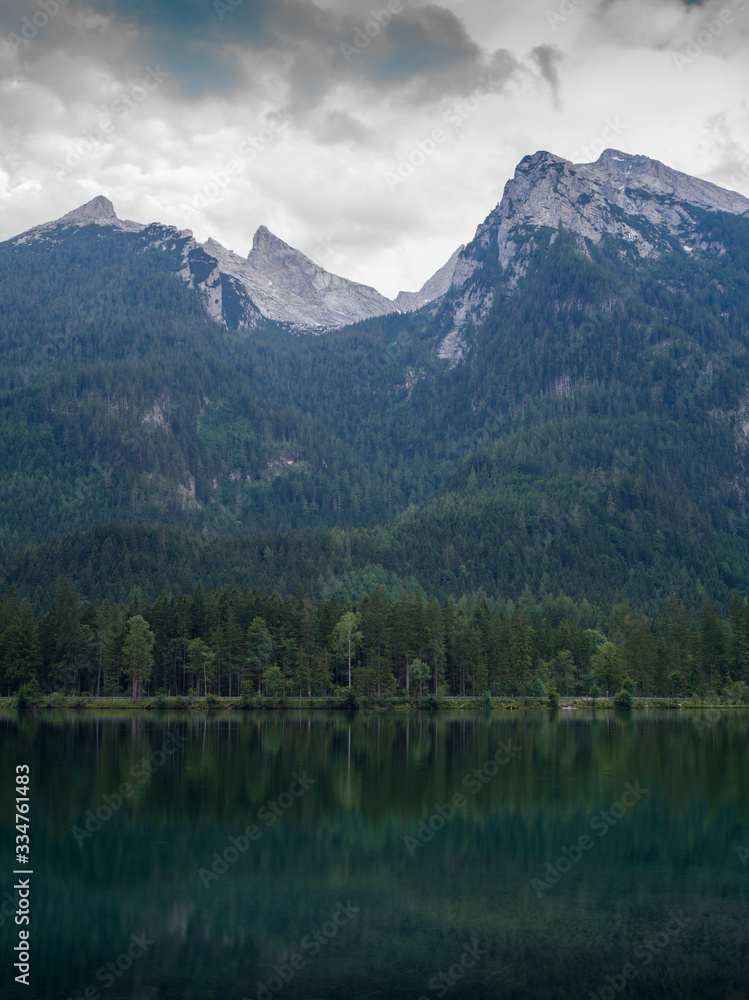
[639,200]
[290,288]
[549,191]
[99,209]
[287,287]
[434,288]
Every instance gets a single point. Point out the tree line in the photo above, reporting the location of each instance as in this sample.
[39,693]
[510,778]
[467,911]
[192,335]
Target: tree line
[245,641]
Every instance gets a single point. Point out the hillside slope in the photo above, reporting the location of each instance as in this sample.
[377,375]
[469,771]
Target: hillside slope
[570,414]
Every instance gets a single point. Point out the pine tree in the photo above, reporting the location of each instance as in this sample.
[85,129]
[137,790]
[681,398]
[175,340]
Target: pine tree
[521,649]
[259,649]
[137,653]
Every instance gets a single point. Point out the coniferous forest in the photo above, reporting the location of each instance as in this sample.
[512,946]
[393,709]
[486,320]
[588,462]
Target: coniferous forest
[246,642]
[571,489]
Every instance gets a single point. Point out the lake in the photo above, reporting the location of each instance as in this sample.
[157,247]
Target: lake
[325,855]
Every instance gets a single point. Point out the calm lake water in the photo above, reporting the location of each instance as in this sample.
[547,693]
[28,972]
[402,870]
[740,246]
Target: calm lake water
[318,895]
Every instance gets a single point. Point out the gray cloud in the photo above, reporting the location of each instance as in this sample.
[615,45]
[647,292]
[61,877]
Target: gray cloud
[340,127]
[357,111]
[426,55]
[548,58]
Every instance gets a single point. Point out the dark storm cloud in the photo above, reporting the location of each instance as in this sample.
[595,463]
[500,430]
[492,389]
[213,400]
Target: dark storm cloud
[197,19]
[427,52]
[191,36]
[423,54]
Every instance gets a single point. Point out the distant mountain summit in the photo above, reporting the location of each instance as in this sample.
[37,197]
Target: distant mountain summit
[274,282]
[647,206]
[642,202]
[290,288]
[432,289]
[99,212]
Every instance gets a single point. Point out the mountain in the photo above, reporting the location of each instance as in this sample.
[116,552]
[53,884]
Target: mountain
[274,282]
[98,212]
[646,207]
[288,287]
[643,203]
[569,414]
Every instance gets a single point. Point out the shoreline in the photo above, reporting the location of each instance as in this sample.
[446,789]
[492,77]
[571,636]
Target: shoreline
[180,703]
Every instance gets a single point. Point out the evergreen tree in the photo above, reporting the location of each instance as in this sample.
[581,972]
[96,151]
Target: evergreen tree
[138,653]
[259,648]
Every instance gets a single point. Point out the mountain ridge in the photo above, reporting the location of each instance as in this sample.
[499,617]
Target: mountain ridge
[278,282]
[641,201]
[569,415]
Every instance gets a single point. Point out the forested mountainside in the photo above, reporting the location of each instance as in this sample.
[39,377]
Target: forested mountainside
[570,417]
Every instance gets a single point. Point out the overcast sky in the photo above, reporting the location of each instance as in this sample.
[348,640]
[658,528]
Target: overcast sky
[375,145]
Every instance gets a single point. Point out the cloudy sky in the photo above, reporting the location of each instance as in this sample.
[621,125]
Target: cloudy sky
[373,136]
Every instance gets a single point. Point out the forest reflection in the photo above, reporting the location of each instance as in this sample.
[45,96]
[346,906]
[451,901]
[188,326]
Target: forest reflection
[332,798]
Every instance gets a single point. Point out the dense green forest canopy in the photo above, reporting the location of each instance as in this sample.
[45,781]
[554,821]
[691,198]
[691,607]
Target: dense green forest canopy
[246,640]
[590,442]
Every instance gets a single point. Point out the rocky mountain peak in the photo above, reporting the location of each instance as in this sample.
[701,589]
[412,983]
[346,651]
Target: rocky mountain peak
[650,208]
[264,240]
[634,198]
[267,246]
[289,287]
[549,190]
[100,212]
[99,209]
